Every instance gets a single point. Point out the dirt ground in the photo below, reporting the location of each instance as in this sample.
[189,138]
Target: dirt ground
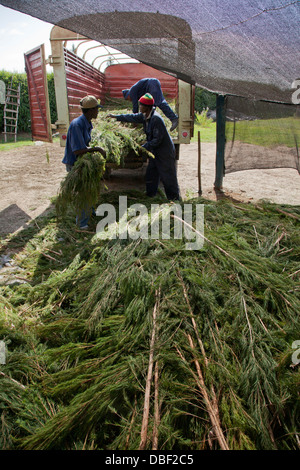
[30,176]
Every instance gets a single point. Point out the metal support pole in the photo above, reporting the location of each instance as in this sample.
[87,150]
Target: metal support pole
[177,151]
[220,154]
[199,165]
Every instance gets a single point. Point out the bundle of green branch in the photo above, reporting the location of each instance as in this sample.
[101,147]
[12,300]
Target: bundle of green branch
[142,344]
[80,189]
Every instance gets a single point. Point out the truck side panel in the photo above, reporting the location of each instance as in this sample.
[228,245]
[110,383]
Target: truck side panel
[38,94]
[82,79]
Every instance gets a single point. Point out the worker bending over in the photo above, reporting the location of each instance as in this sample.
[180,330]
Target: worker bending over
[153,87]
[159,142]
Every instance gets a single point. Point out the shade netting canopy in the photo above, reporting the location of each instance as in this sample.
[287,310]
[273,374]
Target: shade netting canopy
[248,48]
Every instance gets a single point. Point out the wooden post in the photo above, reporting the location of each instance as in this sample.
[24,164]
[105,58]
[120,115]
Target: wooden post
[220,155]
[199,165]
[177,151]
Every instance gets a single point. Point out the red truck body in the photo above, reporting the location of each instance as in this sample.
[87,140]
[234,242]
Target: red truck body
[74,78]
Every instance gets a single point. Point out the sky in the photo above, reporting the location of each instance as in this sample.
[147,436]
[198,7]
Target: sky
[19,33]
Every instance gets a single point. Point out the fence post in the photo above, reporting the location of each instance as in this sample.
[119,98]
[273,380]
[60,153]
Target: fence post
[220,154]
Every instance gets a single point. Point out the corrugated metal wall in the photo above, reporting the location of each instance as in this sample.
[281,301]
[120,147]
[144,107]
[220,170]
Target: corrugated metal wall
[121,76]
[82,79]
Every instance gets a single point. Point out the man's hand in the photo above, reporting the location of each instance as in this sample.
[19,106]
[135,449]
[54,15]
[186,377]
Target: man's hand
[111,115]
[90,150]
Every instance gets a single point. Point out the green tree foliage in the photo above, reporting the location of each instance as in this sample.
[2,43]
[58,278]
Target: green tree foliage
[13,80]
[24,120]
[204,99]
[52,99]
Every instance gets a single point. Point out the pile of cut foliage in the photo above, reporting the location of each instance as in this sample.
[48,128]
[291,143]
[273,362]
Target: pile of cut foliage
[81,187]
[123,146]
[142,344]
[118,139]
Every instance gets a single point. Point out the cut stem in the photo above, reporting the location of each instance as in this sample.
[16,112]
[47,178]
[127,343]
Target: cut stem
[144,430]
[212,404]
[156,410]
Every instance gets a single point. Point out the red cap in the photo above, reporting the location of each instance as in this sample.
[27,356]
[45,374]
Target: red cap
[147,99]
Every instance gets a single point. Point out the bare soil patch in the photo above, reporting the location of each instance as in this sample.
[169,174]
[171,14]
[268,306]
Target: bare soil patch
[30,177]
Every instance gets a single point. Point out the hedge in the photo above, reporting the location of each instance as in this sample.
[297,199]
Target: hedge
[24,121]
[204,99]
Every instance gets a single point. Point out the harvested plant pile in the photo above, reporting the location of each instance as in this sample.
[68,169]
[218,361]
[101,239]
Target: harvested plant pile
[118,139]
[123,145]
[81,187]
[142,344]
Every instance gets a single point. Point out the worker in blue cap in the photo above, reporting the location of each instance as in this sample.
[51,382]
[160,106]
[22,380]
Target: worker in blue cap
[152,86]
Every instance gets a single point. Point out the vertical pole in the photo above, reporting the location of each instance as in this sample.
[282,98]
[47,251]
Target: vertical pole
[220,154]
[185,111]
[177,151]
[57,60]
[199,165]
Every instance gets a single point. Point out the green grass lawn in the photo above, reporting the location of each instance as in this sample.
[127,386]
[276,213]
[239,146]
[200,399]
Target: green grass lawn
[207,132]
[12,145]
[266,132]
[23,138]
[24,141]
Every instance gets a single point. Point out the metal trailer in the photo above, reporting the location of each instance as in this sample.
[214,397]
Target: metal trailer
[74,78]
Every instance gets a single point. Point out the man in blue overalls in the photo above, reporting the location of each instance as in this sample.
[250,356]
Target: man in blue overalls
[159,142]
[153,87]
[78,139]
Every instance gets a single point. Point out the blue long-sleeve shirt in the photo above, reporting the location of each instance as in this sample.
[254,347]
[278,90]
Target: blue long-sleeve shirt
[78,138]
